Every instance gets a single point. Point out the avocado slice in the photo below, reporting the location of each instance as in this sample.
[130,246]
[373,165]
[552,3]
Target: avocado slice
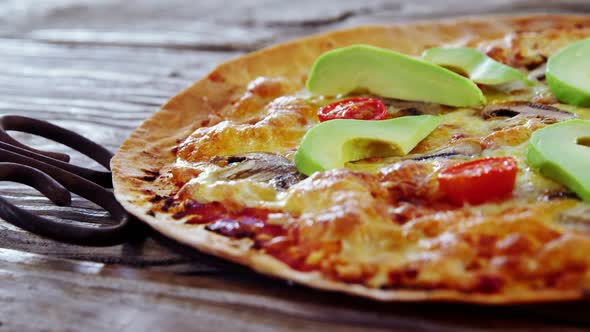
[390,74]
[562,152]
[568,74]
[479,67]
[332,143]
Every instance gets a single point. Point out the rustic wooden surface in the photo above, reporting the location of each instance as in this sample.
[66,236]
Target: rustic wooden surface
[101,67]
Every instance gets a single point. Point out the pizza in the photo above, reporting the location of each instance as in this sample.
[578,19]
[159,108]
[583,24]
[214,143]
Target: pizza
[451,205]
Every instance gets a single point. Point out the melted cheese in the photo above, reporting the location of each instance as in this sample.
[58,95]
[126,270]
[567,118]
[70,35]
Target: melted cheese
[209,187]
[392,227]
[280,127]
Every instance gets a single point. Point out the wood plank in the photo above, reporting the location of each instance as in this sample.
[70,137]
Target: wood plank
[132,300]
[230,25]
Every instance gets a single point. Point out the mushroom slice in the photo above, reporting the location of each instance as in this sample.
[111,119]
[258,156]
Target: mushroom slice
[404,108]
[548,113]
[463,148]
[538,73]
[275,169]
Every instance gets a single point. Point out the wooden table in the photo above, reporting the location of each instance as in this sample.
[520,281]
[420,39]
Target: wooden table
[100,68]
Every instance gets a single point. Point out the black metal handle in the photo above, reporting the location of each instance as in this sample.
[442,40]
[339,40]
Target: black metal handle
[57,134]
[56,178]
[57,187]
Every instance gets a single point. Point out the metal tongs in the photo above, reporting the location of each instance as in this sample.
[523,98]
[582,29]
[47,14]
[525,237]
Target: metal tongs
[52,175]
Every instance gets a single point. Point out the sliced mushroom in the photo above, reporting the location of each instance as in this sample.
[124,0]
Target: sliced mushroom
[538,73]
[562,194]
[277,170]
[577,218]
[463,148]
[466,148]
[404,108]
[548,113]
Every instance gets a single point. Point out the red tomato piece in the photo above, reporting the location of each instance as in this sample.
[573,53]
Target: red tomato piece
[479,181]
[354,108]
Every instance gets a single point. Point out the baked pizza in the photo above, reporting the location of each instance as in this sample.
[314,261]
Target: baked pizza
[437,161]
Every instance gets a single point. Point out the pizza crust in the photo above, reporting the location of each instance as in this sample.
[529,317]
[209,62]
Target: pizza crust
[151,146]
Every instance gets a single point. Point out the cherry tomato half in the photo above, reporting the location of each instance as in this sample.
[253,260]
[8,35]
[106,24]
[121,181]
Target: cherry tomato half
[354,108]
[479,181]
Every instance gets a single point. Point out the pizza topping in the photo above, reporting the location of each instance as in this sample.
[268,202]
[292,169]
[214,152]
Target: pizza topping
[223,219]
[387,73]
[530,49]
[577,218]
[279,129]
[548,113]
[245,225]
[333,143]
[250,106]
[477,66]
[511,133]
[479,181]
[411,181]
[463,148]
[354,108]
[562,152]
[568,74]
[201,213]
[489,284]
[538,74]
[271,168]
[399,108]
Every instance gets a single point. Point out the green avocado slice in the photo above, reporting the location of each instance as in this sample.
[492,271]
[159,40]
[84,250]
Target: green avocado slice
[479,67]
[390,74]
[568,74]
[332,143]
[562,152]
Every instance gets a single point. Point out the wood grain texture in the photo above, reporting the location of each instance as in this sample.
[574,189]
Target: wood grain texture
[100,68]
[100,297]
